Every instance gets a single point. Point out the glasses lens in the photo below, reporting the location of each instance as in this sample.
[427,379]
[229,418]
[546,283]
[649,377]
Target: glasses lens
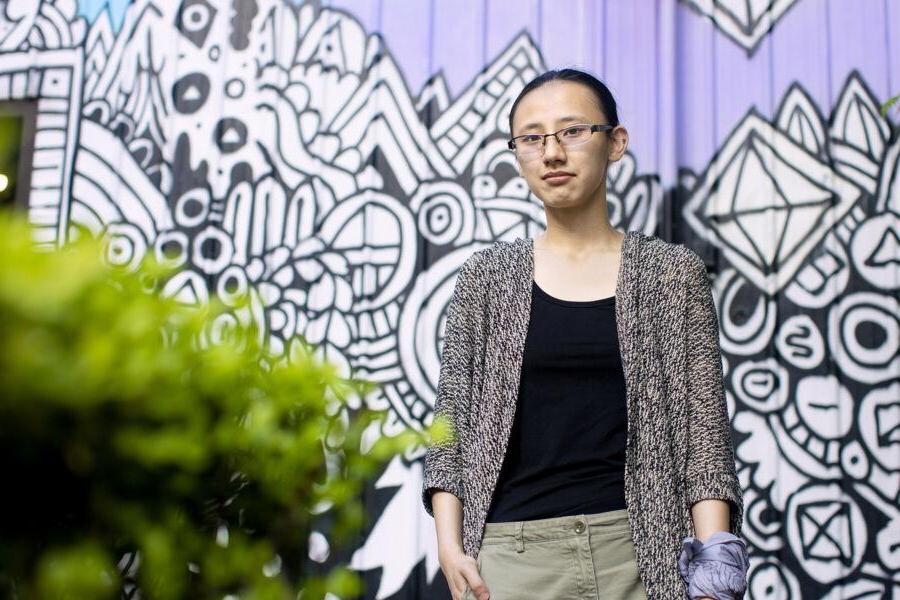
[529,144]
[574,135]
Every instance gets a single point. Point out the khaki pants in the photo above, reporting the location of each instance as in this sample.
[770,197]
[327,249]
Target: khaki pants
[582,557]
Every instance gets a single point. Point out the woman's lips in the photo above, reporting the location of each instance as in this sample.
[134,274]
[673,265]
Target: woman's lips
[558,179]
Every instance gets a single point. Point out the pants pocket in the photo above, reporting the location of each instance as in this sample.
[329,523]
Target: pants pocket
[615,566]
[546,569]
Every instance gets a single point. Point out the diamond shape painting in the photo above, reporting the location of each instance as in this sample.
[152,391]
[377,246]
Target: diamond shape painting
[766,202]
[744,21]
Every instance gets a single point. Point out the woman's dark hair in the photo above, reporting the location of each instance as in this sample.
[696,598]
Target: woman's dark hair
[604,97]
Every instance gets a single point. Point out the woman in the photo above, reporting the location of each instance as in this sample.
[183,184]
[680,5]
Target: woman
[582,375]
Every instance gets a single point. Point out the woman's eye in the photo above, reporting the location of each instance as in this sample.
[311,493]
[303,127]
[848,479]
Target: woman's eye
[574,131]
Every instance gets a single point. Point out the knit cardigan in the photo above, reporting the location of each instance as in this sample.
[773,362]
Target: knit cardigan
[679,448]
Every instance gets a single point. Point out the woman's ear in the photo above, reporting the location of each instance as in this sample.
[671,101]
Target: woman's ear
[618,143]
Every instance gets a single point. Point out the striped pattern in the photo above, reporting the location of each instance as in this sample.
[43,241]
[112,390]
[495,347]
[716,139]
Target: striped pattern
[678,447]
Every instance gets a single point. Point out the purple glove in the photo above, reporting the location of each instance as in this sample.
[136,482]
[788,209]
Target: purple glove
[715,569]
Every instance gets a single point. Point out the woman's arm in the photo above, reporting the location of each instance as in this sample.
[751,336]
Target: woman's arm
[443,460]
[711,485]
[443,490]
[710,466]
[460,570]
[709,568]
[448,522]
[709,516]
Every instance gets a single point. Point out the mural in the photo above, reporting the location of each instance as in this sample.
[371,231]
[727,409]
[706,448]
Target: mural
[277,145]
[744,22]
[806,213]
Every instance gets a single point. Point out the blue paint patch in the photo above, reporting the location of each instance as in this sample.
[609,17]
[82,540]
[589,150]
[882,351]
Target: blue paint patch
[91,9]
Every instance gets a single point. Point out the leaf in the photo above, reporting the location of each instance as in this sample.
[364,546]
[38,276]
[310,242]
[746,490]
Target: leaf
[887,105]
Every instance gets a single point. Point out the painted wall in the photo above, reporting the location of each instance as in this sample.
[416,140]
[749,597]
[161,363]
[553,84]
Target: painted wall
[345,157]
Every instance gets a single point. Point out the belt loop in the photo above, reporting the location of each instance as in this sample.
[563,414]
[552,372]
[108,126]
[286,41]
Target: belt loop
[520,539]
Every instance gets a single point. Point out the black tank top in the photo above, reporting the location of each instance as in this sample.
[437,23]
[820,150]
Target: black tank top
[566,452]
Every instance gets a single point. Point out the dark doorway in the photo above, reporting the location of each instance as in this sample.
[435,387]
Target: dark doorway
[17,124]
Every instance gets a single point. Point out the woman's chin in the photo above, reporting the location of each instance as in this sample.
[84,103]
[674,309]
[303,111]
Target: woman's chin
[562,200]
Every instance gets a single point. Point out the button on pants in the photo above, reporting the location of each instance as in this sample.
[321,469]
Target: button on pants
[581,557]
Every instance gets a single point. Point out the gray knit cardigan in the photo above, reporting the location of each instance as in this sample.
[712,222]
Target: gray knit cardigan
[678,446]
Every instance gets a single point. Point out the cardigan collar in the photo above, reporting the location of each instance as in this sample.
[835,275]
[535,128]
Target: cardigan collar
[518,285]
[526,247]
[512,310]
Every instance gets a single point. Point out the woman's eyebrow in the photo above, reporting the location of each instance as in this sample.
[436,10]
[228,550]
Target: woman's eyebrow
[576,118]
[568,119]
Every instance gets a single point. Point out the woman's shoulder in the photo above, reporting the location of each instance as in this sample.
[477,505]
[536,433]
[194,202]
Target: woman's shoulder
[661,259]
[494,252]
[670,260]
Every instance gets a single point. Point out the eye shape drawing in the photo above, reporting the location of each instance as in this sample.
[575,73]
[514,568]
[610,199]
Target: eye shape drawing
[194,20]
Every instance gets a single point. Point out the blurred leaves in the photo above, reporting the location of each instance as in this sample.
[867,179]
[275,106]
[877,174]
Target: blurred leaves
[887,105]
[123,430]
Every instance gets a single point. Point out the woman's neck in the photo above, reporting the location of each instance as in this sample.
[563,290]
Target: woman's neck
[578,233]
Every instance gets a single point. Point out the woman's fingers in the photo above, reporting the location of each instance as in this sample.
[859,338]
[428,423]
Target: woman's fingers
[476,583]
[464,576]
[459,586]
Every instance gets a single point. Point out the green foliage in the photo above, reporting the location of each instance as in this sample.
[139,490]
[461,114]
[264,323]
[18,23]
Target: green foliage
[123,429]
[887,105]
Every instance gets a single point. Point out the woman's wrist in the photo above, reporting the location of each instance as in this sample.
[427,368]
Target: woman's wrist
[450,548]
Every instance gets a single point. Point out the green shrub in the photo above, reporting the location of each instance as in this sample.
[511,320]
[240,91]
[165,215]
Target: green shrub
[125,433]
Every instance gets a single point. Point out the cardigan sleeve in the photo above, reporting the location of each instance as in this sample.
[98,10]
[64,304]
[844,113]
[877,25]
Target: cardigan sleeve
[443,468]
[710,466]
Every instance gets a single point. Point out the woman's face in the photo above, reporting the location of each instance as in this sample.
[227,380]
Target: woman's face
[549,108]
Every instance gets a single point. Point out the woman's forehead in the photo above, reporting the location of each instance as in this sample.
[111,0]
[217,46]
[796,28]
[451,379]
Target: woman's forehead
[557,102]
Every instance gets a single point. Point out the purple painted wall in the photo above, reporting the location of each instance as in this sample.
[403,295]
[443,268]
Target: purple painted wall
[298,161]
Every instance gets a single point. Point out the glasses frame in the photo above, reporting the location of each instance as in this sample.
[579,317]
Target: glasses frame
[511,143]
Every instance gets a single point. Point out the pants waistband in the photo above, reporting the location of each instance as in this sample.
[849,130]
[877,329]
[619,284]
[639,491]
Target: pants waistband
[557,527]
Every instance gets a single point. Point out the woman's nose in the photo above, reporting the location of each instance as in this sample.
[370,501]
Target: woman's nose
[552,148]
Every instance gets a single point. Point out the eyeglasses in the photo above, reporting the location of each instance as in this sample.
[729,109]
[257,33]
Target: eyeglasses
[531,144]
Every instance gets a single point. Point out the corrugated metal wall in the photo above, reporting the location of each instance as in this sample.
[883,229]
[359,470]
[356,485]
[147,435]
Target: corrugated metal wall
[343,158]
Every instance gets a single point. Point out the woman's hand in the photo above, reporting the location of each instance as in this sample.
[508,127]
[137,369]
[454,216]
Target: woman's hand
[461,572]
